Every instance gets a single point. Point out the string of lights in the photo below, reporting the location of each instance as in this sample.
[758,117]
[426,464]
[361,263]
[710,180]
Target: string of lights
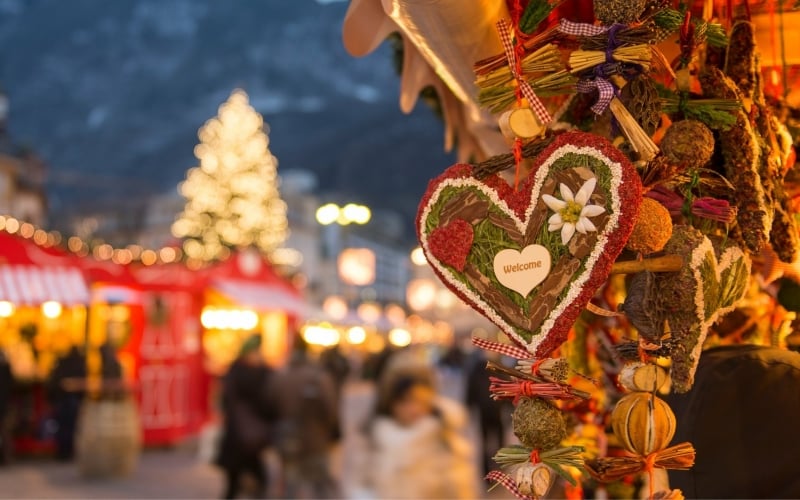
[97,249]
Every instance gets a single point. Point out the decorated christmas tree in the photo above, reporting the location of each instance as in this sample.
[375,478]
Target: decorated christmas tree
[232,197]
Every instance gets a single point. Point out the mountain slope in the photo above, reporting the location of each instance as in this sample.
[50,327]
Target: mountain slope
[112,94]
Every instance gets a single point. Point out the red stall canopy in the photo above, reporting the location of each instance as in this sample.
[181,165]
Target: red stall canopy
[249,279]
[31,275]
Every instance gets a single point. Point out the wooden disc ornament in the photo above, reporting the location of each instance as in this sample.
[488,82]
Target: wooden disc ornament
[533,480]
[643,377]
[521,123]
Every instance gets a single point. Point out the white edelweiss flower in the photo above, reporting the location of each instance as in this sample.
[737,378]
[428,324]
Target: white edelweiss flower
[572,212]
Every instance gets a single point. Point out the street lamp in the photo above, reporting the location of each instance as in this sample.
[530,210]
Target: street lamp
[349,214]
[418,257]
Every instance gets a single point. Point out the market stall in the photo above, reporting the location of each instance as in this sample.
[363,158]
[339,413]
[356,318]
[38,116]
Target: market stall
[244,295]
[43,313]
[173,385]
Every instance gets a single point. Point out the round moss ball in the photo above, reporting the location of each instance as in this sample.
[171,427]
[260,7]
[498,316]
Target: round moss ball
[653,228]
[538,424]
[688,144]
[609,12]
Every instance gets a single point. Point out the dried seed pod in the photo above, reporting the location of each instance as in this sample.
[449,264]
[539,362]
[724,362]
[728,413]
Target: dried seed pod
[640,306]
[640,96]
[610,12]
[533,480]
[774,155]
[538,424]
[642,377]
[643,423]
[784,235]
[653,228]
[676,293]
[741,154]
[688,144]
[741,65]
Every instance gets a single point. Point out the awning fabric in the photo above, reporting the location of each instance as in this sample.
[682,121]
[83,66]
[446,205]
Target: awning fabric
[33,285]
[261,296]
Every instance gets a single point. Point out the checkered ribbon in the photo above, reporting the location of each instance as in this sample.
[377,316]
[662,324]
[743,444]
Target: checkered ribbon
[503,28]
[507,483]
[604,88]
[580,29]
[605,92]
[504,349]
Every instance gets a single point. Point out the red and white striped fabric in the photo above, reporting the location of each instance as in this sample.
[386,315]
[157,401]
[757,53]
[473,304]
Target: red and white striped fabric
[32,285]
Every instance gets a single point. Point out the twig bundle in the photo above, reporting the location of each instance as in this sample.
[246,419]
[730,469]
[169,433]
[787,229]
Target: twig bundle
[663,264]
[638,138]
[550,369]
[678,457]
[500,97]
[544,60]
[531,45]
[556,459]
[581,60]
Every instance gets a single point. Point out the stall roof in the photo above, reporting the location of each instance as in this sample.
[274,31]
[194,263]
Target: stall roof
[30,275]
[32,285]
[260,296]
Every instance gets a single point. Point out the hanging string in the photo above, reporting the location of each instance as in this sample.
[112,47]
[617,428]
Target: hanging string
[519,53]
[729,13]
[784,65]
[773,45]
[515,54]
[649,467]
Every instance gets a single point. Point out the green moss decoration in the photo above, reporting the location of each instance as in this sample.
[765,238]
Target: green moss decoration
[538,424]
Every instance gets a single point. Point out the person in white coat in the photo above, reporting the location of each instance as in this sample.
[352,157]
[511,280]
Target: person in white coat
[416,447]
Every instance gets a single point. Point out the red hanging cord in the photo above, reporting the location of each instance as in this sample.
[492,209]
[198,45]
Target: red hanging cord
[519,53]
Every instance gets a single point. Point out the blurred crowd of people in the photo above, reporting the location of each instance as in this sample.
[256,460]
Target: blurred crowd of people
[413,443]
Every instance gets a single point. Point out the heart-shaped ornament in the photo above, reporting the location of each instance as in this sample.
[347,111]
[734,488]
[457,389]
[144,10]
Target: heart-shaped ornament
[714,278]
[538,254]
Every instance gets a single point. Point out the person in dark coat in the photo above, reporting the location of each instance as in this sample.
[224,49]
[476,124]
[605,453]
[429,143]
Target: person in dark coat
[337,365]
[111,369]
[66,401]
[742,417]
[248,419]
[308,425]
[490,412]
